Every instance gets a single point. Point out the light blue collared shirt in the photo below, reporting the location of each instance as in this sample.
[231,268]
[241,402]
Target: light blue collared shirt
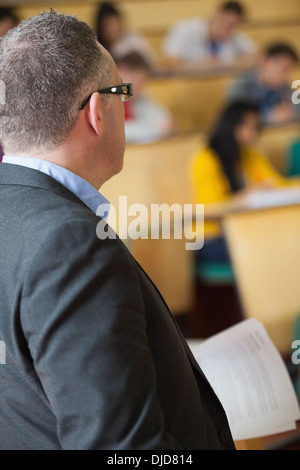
[80,187]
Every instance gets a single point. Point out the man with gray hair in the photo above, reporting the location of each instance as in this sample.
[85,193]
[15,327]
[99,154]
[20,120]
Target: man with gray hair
[94,358]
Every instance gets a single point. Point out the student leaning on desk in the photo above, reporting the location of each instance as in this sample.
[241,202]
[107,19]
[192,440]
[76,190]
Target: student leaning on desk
[230,167]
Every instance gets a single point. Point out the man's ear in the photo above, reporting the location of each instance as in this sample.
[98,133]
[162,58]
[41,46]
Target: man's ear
[94,113]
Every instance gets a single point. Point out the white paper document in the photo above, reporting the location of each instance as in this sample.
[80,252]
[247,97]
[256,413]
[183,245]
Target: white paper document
[250,378]
[272,198]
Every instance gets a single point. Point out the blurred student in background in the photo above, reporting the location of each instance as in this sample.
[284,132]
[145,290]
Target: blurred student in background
[200,43]
[229,167]
[145,120]
[8,20]
[268,85]
[116,38]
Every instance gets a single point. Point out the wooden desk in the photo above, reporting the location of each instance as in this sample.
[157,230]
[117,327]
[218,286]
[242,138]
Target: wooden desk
[274,142]
[265,251]
[194,100]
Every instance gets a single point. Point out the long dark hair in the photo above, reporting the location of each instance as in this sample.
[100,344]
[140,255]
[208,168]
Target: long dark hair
[105,10]
[224,143]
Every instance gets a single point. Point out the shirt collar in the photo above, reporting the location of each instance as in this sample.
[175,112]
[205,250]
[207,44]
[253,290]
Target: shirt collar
[77,185]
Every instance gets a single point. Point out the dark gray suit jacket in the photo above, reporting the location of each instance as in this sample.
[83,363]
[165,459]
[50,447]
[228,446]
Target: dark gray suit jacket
[94,359]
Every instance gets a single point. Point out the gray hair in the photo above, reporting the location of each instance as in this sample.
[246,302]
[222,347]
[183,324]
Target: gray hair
[49,64]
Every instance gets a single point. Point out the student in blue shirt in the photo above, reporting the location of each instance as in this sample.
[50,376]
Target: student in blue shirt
[267,85]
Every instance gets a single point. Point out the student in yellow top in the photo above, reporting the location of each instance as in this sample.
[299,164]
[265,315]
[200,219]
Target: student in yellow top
[229,167]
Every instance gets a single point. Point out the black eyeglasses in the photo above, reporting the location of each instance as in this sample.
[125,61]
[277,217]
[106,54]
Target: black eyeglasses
[125,91]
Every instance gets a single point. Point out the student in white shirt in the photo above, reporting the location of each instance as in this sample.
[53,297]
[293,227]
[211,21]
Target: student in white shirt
[196,42]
